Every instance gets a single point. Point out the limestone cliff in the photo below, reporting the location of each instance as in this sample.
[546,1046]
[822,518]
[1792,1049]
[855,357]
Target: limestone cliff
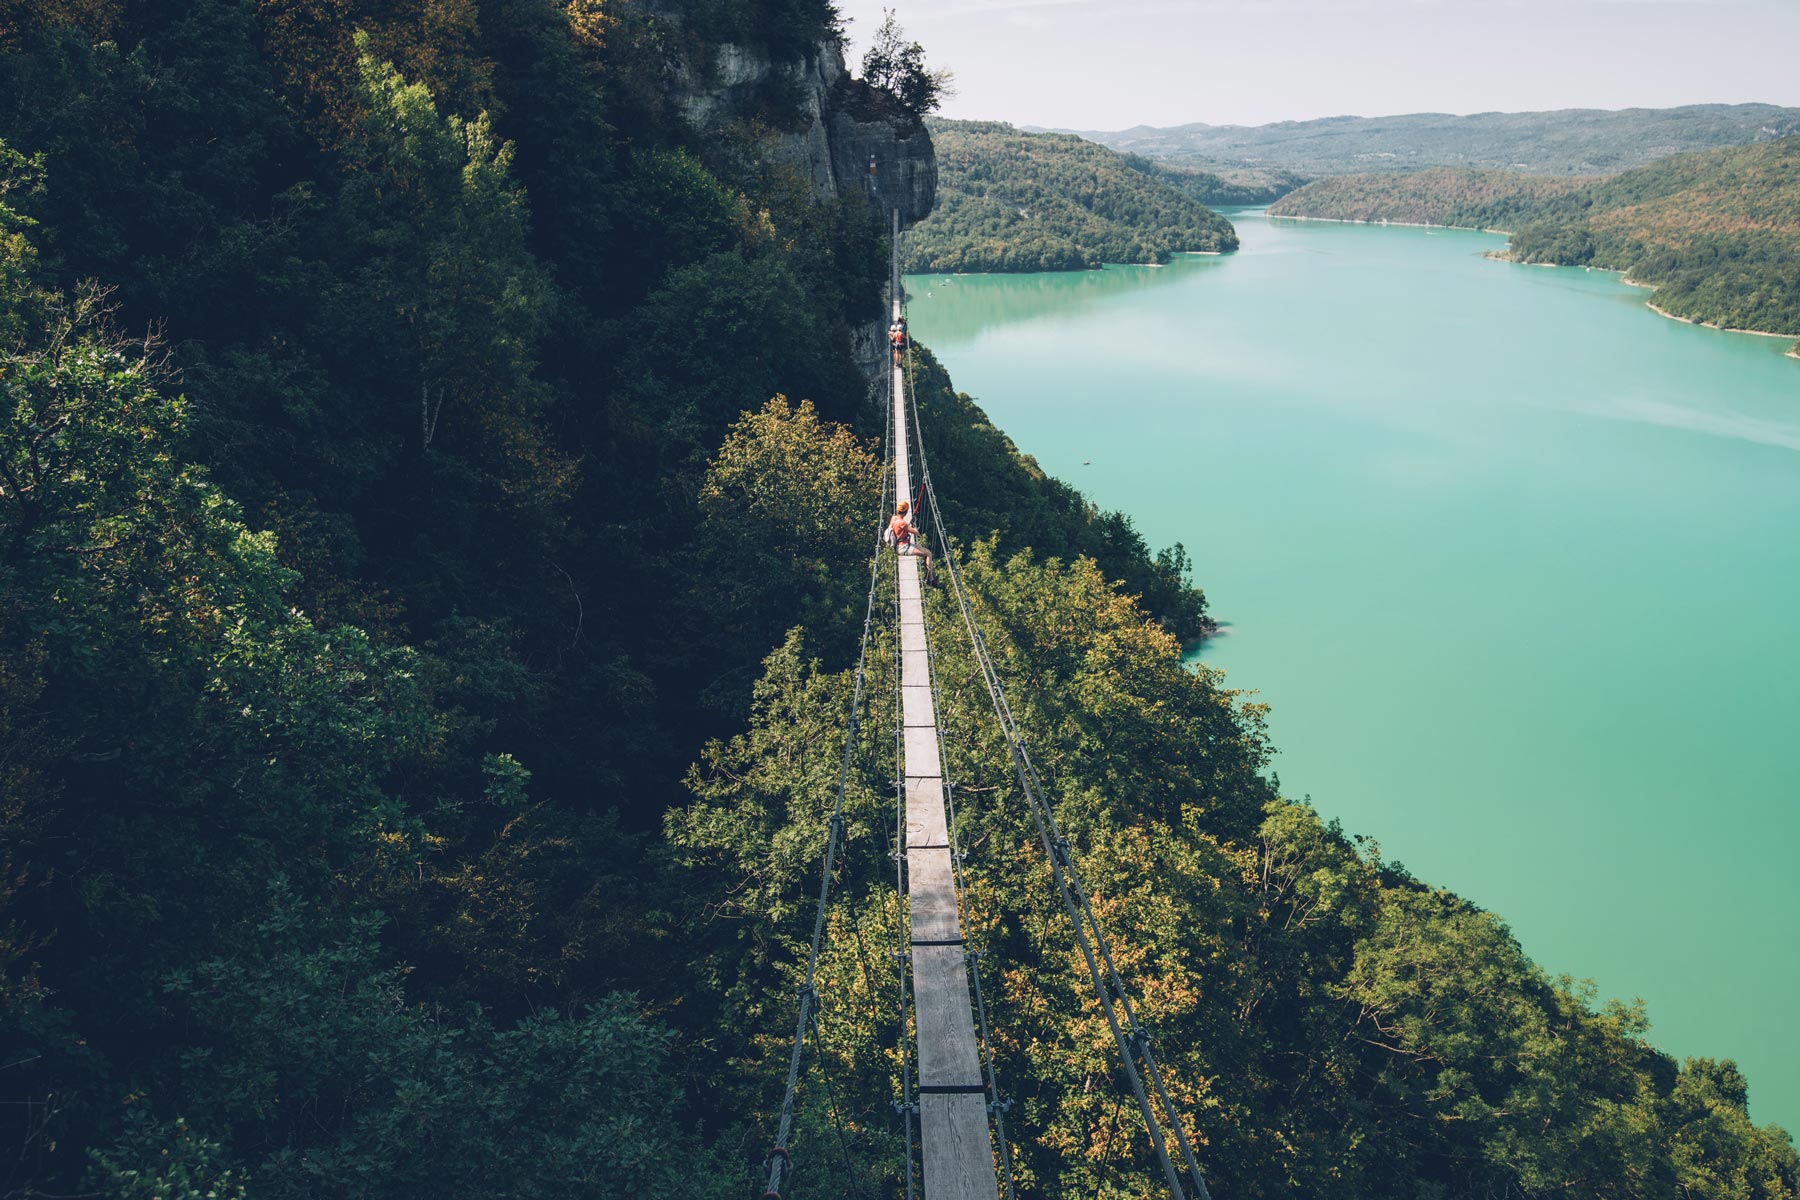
[849,139]
[843,124]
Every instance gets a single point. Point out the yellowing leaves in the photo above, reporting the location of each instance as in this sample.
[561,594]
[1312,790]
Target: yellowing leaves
[589,22]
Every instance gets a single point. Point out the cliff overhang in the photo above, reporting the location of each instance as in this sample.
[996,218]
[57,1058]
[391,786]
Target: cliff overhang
[847,138]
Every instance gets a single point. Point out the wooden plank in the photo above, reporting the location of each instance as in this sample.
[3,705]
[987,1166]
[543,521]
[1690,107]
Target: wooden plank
[913,665]
[932,889]
[959,1156]
[916,707]
[902,460]
[941,1005]
[922,751]
[925,813]
[912,640]
[909,580]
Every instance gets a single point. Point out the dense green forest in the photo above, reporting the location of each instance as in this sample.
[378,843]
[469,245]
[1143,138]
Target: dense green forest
[1493,200]
[435,493]
[1569,141]
[1012,201]
[1224,186]
[1717,232]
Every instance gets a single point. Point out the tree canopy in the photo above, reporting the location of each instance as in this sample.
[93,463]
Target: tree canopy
[898,66]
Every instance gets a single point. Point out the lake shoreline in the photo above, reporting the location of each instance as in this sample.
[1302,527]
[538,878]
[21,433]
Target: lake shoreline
[1663,312]
[1071,270]
[1501,256]
[1399,224]
[1628,281]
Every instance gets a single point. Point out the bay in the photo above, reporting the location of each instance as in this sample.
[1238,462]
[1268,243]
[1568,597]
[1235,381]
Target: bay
[1515,561]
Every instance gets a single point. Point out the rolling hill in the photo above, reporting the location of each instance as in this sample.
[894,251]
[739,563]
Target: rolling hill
[1493,200]
[1014,201]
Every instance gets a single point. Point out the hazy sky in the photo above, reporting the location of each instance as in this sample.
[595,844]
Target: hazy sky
[1108,64]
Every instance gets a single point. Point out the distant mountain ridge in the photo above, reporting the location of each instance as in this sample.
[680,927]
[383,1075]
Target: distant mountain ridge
[1573,141]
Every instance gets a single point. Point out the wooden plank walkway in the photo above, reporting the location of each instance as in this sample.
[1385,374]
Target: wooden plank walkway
[953,1118]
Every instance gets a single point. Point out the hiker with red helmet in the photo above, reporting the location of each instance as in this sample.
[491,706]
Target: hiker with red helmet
[905,536]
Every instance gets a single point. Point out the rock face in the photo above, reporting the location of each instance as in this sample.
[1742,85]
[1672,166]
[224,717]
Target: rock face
[845,124]
[849,139]
[882,147]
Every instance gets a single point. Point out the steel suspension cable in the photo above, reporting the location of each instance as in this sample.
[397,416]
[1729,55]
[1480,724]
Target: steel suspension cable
[778,1162]
[1109,989]
[907,1106]
[996,1106]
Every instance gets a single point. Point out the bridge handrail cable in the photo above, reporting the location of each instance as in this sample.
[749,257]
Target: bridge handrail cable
[1089,937]
[996,1106]
[778,1161]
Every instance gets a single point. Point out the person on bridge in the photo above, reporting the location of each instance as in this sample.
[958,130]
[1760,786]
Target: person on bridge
[897,338]
[906,540]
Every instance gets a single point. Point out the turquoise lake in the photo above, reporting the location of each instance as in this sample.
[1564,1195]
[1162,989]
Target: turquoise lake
[1515,561]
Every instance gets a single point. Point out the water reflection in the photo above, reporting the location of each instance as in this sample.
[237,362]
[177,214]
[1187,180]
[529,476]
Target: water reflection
[963,307]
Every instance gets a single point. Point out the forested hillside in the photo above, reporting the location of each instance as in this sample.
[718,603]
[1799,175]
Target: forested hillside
[1571,141]
[358,625]
[1496,200]
[1223,186]
[1012,201]
[436,488]
[1717,233]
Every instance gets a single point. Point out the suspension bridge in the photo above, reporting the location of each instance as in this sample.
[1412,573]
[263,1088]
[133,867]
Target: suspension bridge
[951,1102]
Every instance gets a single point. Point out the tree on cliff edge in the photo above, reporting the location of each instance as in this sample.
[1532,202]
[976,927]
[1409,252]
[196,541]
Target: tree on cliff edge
[898,66]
